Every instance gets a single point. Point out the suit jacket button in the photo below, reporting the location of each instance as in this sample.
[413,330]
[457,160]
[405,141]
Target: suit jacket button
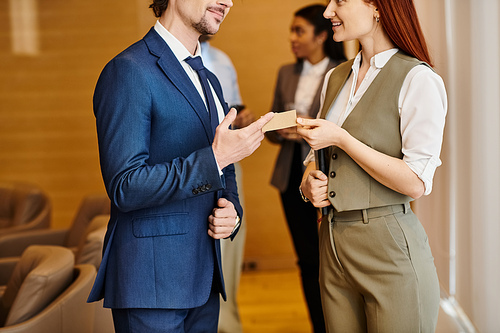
[195,191]
[332,194]
[334,156]
[332,174]
[209,186]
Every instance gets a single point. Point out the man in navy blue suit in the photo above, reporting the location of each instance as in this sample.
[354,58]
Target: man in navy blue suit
[169,174]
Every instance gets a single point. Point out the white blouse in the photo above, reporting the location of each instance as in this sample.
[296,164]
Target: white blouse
[422,108]
[310,79]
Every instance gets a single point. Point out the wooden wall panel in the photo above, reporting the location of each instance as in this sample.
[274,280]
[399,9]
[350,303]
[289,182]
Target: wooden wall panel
[47,130]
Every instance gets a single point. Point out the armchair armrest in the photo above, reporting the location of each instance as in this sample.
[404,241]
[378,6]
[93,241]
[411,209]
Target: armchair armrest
[7,266]
[13,245]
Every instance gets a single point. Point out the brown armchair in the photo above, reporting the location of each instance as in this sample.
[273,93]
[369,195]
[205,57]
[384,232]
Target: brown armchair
[47,293]
[23,207]
[91,206]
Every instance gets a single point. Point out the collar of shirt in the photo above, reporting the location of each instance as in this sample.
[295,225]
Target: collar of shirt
[181,53]
[175,45]
[316,69]
[377,61]
[204,49]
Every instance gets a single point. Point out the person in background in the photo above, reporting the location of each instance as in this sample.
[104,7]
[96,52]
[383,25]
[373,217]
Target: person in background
[298,87]
[167,154]
[381,123]
[231,250]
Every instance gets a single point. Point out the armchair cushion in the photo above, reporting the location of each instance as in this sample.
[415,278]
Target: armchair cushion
[90,249]
[22,207]
[91,206]
[41,274]
[13,245]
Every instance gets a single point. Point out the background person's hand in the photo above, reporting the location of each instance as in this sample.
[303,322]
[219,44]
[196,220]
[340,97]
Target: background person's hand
[244,118]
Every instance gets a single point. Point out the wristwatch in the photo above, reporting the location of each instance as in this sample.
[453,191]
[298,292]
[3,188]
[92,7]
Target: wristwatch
[302,194]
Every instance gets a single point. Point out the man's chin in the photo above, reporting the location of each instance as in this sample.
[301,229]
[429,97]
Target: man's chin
[205,28]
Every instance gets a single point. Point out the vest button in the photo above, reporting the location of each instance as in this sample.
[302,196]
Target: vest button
[332,174]
[334,156]
[332,194]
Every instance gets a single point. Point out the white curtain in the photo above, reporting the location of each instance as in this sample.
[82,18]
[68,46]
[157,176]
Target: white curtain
[460,216]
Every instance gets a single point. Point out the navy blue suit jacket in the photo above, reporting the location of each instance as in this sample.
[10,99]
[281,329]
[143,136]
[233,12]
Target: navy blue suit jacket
[161,175]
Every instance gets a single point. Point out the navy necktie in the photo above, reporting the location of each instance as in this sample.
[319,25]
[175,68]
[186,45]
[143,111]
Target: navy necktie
[197,64]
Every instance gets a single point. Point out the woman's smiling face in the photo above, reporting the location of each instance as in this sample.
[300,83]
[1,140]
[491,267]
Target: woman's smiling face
[351,19]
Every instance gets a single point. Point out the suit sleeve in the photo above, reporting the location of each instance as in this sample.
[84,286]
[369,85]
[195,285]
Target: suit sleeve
[123,101]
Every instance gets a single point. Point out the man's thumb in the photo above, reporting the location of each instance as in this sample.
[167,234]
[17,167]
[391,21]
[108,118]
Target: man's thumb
[229,118]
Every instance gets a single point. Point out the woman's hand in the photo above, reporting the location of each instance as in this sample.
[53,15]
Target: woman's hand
[320,133]
[314,186]
[389,171]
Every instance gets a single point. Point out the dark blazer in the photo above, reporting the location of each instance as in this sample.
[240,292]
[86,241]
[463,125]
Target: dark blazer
[160,173]
[284,99]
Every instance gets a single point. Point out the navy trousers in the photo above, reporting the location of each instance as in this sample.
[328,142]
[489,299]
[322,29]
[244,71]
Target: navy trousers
[203,319]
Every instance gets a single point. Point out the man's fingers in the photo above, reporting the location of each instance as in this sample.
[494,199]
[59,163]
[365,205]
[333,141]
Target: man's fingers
[259,123]
[224,209]
[223,202]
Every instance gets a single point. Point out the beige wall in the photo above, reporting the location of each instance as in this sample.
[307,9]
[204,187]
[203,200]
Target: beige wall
[461,215]
[47,131]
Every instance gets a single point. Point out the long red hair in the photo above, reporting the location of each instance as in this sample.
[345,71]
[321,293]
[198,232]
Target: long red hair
[400,21]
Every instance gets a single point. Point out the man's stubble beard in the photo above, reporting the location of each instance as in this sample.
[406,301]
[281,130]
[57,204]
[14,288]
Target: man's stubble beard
[204,28]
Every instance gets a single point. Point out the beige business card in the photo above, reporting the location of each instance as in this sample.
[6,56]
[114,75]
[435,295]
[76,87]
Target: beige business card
[281,120]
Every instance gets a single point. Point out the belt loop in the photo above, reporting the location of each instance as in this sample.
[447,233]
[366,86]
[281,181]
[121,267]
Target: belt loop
[406,208]
[365,216]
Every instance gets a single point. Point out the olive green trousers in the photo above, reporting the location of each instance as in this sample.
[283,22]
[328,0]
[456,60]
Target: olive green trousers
[377,272]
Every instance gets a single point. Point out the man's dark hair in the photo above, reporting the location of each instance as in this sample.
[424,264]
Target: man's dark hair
[159,6]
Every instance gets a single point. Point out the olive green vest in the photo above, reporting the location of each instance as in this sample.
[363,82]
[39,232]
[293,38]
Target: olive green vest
[374,121]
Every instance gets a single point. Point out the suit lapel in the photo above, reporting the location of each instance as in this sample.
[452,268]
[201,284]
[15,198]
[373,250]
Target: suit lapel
[218,90]
[177,75]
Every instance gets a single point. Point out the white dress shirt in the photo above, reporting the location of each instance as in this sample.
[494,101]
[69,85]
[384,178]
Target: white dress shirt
[310,79]
[181,53]
[422,108]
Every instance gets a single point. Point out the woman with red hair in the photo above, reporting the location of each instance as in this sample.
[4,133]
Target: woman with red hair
[381,127]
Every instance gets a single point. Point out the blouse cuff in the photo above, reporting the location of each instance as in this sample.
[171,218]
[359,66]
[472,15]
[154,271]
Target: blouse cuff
[425,169]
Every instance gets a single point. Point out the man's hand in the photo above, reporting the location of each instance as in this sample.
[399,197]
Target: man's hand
[223,219]
[231,146]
